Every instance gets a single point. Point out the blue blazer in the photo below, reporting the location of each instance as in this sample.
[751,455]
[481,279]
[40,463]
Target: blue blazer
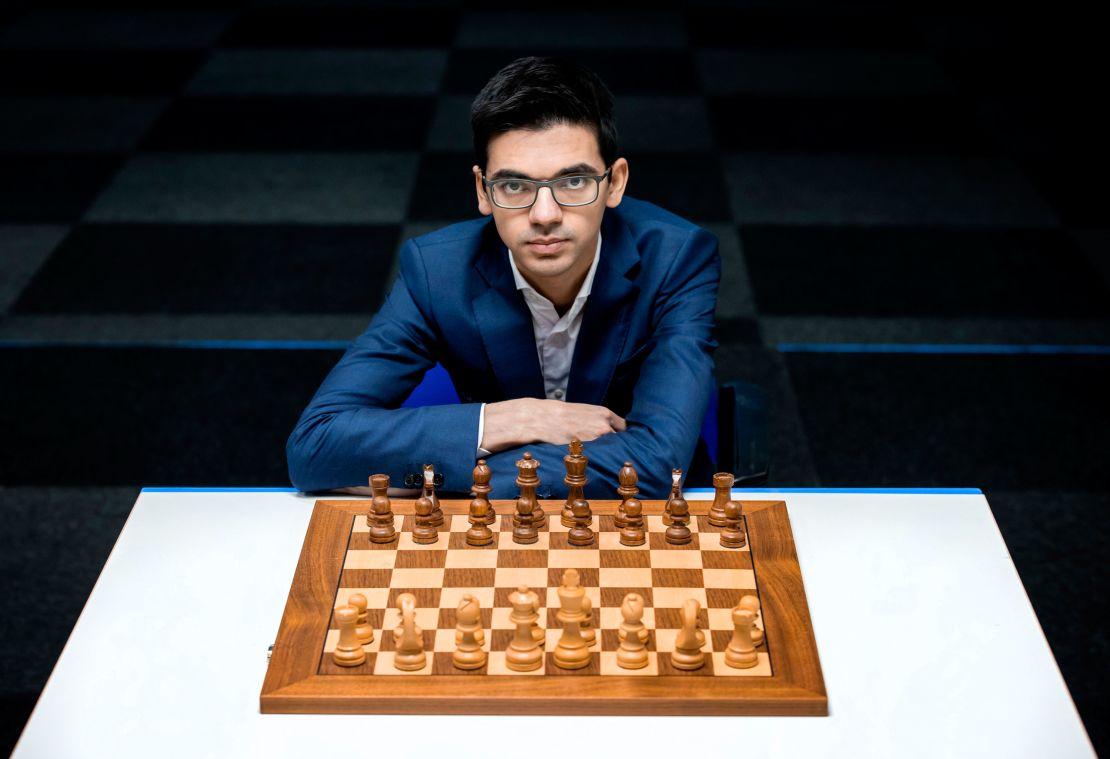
[644,351]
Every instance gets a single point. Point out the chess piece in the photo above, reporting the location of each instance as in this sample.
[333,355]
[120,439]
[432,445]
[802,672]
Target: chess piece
[740,653]
[687,652]
[581,534]
[632,654]
[722,486]
[524,653]
[627,477]
[524,527]
[575,480]
[380,518]
[479,533]
[572,651]
[633,534]
[733,535]
[751,603]
[481,488]
[678,534]
[424,530]
[538,633]
[408,639]
[468,649]
[676,479]
[363,629]
[430,494]
[348,652]
[589,633]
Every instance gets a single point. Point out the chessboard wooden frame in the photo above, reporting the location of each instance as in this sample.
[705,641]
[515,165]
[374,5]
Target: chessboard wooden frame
[795,687]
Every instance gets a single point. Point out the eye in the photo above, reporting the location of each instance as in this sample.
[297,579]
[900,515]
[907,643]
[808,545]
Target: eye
[512,186]
[574,183]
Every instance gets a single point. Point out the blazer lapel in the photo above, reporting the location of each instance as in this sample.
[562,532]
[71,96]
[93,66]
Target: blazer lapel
[605,322]
[505,325]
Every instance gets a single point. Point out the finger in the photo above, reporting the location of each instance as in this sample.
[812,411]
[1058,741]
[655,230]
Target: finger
[617,423]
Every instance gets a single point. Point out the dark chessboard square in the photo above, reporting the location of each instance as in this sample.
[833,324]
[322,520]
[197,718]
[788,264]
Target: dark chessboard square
[658,541]
[771,27]
[521,558]
[329,667]
[76,124]
[57,72]
[457,541]
[1010,421]
[374,617]
[677,578]
[426,598]
[726,598]
[691,185]
[593,668]
[726,559]
[890,272]
[610,640]
[122,29]
[443,663]
[389,640]
[719,639]
[622,558]
[671,619]
[365,578]
[499,640]
[606,523]
[420,559]
[323,27]
[614,597]
[444,188]
[915,124]
[662,124]
[702,522]
[36,189]
[627,71]
[588,577]
[449,618]
[156,268]
[468,578]
[360,541]
[298,122]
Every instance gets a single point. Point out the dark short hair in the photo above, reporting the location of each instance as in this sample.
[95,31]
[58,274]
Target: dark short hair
[537,93]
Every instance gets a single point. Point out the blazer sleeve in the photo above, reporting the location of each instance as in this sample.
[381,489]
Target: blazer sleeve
[671,393]
[354,425]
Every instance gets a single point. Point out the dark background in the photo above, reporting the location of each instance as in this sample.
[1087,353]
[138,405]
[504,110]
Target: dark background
[923,181]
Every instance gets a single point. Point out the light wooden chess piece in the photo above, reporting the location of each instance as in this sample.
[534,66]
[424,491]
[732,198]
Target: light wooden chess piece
[524,525]
[430,494]
[575,480]
[468,623]
[733,535]
[524,653]
[408,639]
[589,633]
[482,488]
[348,651]
[581,534]
[380,518]
[740,653]
[627,477]
[538,633]
[479,533]
[363,629]
[572,651]
[677,534]
[722,487]
[687,652]
[424,531]
[751,603]
[632,654]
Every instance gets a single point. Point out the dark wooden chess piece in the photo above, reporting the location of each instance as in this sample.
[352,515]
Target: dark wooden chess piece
[481,488]
[524,527]
[380,518]
[425,530]
[575,480]
[633,534]
[733,535]
[678,534]
[479,533]
[581,534]
[722,485]
[430,494]
[627,477]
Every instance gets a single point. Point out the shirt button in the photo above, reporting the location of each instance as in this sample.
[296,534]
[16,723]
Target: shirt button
[558,394]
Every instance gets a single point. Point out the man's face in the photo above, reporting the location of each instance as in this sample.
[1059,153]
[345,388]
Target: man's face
[552,245]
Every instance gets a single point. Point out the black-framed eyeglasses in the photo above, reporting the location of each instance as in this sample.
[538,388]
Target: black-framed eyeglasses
[574,190]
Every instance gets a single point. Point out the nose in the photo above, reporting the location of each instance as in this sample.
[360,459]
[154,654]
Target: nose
[545,211]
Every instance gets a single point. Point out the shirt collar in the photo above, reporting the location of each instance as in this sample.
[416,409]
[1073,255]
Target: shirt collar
[583,292]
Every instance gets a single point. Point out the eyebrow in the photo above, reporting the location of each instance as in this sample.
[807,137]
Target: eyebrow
[578,168]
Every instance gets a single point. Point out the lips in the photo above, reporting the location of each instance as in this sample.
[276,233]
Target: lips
[547,244]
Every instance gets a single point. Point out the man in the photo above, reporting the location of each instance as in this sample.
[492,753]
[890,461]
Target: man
[576,313]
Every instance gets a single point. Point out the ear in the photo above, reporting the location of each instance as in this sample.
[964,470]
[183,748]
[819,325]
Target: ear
[484,206]
[618,180]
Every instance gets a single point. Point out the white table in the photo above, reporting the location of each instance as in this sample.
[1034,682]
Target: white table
[927,640]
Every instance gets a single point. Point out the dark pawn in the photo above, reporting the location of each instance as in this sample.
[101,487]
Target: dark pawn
[733,535]
[479,533]
[581,534]
[380,518]
[632,534]
[524,528]
[430,494]
[627,478]
[425,530]
[482,475]
[678,534]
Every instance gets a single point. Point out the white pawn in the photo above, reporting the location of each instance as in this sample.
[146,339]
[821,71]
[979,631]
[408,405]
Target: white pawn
[348,652]
[632,654]
[687,652]
[468,653]
[409,653]
[751,603]
[740,653]
[364,631]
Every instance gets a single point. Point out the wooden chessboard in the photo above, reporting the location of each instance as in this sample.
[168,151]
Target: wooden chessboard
[338,559]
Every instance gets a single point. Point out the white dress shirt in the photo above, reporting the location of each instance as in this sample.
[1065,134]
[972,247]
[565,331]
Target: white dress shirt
[555,335]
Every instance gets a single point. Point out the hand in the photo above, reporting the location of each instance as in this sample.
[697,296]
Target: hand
[522,421]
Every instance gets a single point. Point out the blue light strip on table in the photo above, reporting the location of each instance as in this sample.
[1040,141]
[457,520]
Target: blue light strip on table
[946,348]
